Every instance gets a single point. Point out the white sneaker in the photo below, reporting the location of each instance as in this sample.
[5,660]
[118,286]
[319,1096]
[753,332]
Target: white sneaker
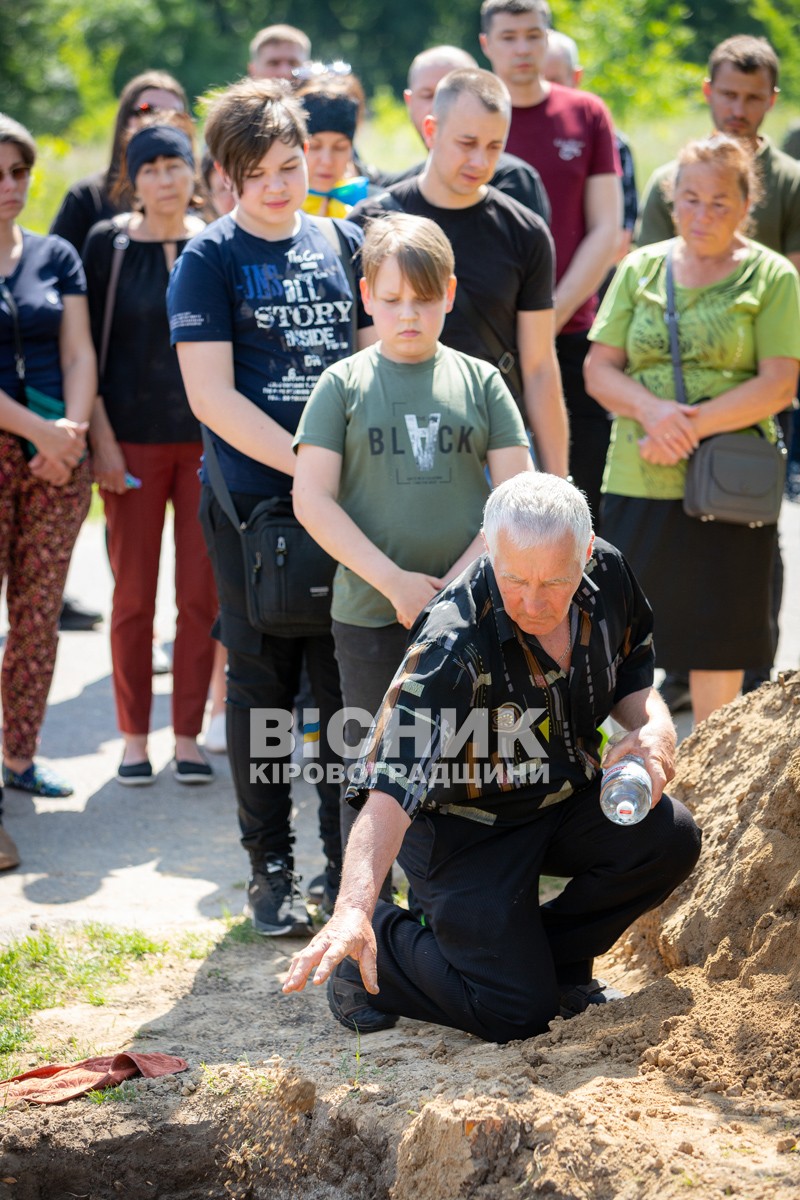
[215,740]
[162,661]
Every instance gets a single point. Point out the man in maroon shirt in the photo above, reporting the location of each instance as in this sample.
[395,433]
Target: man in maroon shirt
[568,136]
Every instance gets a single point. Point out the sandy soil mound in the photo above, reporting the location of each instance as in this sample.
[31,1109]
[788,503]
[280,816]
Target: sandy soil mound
[690,1086]
[736,917]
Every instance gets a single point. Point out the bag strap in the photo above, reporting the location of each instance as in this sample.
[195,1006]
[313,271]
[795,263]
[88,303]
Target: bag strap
[331,231]
[19,353]
[504,359]
[120,245]
[217,480]
[671,317]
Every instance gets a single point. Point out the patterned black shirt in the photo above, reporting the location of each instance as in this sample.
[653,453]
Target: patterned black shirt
[481,722]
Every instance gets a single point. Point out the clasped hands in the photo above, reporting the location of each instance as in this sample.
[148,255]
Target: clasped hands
[670,432]
[60,447]
[410,592]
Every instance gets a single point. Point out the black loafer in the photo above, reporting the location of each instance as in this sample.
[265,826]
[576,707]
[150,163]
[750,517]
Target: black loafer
[192,772]
[135,774]
[576,999]
[75,617]
[348,1000]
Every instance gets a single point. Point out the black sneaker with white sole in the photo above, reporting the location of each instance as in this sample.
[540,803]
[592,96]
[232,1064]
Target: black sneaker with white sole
[274,903]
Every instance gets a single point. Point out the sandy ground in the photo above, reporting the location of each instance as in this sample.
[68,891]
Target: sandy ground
[691,1086]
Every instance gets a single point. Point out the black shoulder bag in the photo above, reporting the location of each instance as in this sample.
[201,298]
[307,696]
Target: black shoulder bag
[288,578]
[732,477]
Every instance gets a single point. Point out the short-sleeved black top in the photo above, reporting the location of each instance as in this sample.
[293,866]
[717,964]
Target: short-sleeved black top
[142,387]
[48,270]
[504,254]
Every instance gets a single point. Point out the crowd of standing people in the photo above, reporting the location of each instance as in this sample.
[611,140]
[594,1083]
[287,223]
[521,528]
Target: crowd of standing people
[384,373]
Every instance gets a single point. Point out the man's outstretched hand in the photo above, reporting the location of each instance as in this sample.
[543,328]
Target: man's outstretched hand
[348,933]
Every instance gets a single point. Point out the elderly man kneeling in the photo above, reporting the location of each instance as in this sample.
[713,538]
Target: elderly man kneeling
[481,772]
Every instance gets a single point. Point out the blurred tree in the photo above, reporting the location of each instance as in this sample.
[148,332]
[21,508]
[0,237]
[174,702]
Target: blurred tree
[36,86]
[61,59]
[634,55]
[782,27]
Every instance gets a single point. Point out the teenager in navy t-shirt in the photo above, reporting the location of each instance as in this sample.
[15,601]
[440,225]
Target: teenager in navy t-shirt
[259,305]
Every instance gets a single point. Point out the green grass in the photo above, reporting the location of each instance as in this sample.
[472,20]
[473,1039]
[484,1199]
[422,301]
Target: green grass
[124,1093]
[45,970]
[239,931]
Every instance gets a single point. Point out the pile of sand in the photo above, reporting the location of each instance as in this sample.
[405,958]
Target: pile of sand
[736,917]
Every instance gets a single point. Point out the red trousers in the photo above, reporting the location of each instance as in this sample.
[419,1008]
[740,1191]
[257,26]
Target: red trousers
[38,527]
[168,471]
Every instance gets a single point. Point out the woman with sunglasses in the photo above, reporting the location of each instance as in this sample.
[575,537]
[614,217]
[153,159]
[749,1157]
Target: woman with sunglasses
[143,428]
[46,362]
[89,200]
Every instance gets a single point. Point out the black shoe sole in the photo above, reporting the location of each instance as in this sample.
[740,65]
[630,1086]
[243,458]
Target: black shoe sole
[135,775]
[575,1000]
[344,996]
[192,773]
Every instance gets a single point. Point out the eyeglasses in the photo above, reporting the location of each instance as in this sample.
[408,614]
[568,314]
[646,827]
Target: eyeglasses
[19,173]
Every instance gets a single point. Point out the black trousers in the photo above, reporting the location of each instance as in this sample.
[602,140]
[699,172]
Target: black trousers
[368,660]
[589,424]
[489,959]
[264,672]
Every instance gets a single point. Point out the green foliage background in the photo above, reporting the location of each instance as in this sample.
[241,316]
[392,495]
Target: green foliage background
[63,62]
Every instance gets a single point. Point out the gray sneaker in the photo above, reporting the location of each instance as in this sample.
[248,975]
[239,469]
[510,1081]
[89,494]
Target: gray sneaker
[274,903]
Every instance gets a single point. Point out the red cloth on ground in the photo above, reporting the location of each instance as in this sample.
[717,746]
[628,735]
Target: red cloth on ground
[59,1082]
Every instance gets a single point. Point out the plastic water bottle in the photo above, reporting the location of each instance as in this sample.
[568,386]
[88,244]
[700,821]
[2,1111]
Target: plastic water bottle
[626,793]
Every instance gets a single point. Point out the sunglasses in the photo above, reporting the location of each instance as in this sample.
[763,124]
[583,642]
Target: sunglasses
[319,70]
[18,173]
[144,108]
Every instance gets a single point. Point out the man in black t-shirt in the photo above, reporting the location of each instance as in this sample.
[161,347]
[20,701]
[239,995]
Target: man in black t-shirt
[512,175]
[503,310]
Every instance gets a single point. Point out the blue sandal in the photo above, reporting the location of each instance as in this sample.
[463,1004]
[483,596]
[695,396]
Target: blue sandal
[39,781]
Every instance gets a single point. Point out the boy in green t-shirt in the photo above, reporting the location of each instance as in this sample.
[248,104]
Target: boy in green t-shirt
[391,455]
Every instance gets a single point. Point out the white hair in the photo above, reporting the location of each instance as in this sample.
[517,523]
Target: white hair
[564,45]
[532,508]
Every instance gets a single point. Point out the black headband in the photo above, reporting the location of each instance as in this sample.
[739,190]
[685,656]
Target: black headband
[157,141]
[331,114]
